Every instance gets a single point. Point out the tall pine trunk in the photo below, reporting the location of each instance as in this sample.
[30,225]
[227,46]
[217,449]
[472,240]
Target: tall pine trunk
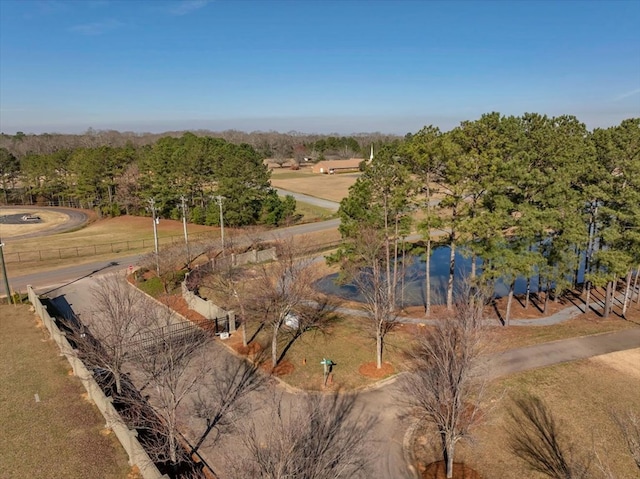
[427,309]
[546,297]
[607,300]
[635,285]
[452,260]
[576,271]
[509,302]
[590,245]
[387,248]
[452,267]
[627,292]
[395,263]
[539,292]
[586,300]
[473,268]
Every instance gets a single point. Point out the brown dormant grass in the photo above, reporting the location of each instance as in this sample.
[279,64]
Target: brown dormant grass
[63,435]
[581,394]
[49,219]
[328,187]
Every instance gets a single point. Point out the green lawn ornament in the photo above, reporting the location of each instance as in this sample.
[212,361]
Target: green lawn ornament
[326,365]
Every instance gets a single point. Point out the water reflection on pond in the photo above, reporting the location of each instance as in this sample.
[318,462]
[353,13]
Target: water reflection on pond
[411,292]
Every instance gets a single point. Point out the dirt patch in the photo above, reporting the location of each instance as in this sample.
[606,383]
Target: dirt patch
[251,350]
[370,370]
[625,362]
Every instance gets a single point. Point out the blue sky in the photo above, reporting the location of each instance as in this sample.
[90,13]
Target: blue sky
[323,67]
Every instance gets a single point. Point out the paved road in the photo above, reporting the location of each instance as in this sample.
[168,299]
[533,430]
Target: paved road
[77,219]
[384,402]
[70,273]
[312,200]
[47,280]
[73,283]
[547,354]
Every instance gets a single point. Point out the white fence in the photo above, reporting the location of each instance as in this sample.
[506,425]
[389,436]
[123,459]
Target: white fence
[128,438]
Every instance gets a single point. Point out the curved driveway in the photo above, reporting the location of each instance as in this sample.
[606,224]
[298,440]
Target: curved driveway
[76,219]
[384,403]
[381,402]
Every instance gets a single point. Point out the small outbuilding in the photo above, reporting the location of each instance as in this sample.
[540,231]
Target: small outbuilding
[337,166]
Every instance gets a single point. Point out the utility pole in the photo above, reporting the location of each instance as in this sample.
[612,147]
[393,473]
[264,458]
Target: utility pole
[220,198]
[152,207]
[183,201]
[4,273]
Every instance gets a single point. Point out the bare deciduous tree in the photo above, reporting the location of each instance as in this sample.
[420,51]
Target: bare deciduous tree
[119,314]
[629,424]
[371,275]
[169,366]
[537,438]
[325,438]
[447,383]
[169,261]
[284,290]
[222,397]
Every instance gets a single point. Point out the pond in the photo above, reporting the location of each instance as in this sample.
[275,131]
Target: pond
[413,291]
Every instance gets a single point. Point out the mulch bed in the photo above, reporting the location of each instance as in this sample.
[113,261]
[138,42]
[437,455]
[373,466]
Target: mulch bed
[371,370]
[282,368]
[179,305]
[438,470]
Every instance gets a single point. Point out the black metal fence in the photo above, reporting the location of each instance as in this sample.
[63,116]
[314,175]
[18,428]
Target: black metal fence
[179,334]
[97,249]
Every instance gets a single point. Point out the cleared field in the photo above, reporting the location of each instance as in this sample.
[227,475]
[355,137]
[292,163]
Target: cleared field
[62,435]
[328,187]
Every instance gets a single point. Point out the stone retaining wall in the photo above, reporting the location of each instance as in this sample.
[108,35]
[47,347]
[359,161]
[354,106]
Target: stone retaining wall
[127,437]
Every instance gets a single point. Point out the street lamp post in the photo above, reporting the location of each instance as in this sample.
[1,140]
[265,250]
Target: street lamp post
[220,198]
[152,207]
[183,201]
[4,273]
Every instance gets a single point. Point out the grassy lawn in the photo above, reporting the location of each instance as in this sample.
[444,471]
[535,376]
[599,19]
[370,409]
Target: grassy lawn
[111,238]
[347,343]
[61,436]
[102,240]
[328,187]
[311,212]
[513,337]
[581,395]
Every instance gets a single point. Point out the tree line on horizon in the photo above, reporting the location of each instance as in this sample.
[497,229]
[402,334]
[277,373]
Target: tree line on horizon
[530,195]
[118,173]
